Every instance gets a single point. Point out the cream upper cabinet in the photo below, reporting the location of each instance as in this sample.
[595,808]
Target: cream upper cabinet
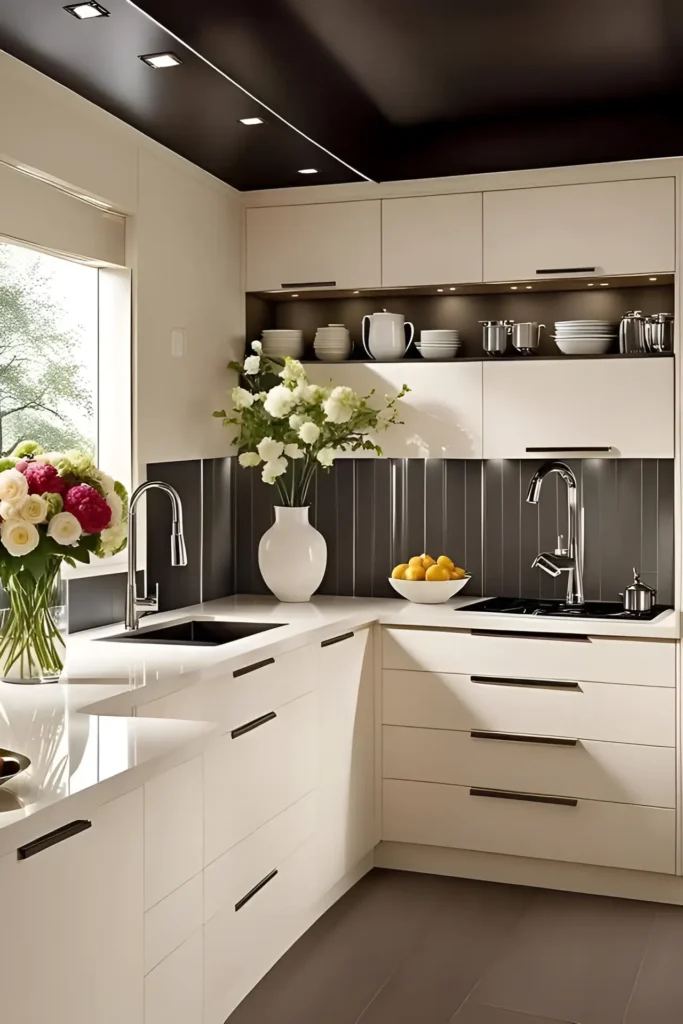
[611,227]
[336,244]
[441,414]
[432,239]
[544,408]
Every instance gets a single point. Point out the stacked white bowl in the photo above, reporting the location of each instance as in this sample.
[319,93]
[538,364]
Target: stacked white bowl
[332,343]
[584,337]
[438,344]
[280,343]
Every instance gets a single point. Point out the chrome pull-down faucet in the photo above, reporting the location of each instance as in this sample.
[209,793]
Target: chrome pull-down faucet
[569,559]
[144,605]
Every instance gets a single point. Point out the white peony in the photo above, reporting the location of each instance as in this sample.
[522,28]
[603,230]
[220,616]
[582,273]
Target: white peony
[273,469]
[341,405]
[248,459]
[19,537]
[257,347]
[252,364]
[13,485]
[309,432]
[296,420]
[65,529]
[105,481]
[304,392]
[112,539]
[32,509]
[269,449]
[241,398]
[292,451]
[293,371]
[279,402]
[326,457]
[116,506]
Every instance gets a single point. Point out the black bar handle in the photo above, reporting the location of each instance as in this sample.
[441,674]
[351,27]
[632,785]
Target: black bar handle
[52,838]
[543,684]
[575,448]
[336,639]
[582,638]
[555,741]
[252,668]
[308,284]
[532,798]
[257,888]
[254,724]
[567,270]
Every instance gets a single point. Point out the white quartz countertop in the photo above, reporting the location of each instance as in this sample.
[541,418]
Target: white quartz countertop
[87,746]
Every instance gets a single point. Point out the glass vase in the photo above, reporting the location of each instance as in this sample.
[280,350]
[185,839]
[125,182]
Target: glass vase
[33,626]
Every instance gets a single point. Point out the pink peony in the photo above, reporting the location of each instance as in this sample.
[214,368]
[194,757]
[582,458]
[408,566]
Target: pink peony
[89,508]
[42,479]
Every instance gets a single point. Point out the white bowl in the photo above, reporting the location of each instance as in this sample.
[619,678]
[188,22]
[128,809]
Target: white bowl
[584,346]
[424,592]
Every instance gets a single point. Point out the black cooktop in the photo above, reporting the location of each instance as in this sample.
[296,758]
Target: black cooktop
[589,610]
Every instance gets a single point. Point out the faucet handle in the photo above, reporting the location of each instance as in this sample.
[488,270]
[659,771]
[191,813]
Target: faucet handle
[149,603]
[561,549]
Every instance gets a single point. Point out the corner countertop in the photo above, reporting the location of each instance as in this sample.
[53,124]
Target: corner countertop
[87,744]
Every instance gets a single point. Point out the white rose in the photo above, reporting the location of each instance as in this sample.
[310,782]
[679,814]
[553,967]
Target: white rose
[304,392]
[341,405]
[248,459]
[9,510]
[269,449]
[293,371]
[257,347]
[292,451]
[309,432]
[252,364]
[279,402]
[326,457]
[273,469]
[116,506]
[112,539]
[64,528]
[296,420]
[241,398]
[18,537]
[32,509]
[13,485]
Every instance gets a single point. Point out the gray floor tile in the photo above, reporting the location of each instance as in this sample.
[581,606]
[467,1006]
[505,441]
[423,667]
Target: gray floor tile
[658,995]
[573,958]
[473,1014]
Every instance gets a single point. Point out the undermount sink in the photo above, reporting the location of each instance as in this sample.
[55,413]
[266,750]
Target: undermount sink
[194,633]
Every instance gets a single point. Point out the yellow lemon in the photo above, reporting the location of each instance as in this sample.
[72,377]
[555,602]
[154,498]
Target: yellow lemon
[427,560]
[459,573]
[399,572]
[414,573]
[446,562]
[416,562]
[437,574]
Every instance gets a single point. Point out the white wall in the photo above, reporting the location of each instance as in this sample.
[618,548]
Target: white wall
[184,246]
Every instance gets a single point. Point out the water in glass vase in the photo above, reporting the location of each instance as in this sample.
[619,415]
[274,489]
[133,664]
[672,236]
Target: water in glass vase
[33,626]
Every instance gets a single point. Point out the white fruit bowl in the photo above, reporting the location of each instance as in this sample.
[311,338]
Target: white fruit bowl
[424,592]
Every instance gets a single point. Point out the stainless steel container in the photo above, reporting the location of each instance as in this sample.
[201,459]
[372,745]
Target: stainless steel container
[526,337]
[632,332]
[495,336]
[638,598]
[659,332]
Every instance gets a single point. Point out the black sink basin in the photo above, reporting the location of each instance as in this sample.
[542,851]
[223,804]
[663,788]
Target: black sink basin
[194,633]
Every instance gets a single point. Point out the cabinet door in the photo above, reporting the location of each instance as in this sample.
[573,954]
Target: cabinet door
[174,838]
[346,789]
[432,239]
[579,406]
[75,915]
[338,244]
[441,414]
[612,227]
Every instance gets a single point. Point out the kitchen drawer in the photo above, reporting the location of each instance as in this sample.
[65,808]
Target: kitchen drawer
[173,990]
[229,877]
[587,711]
[617,772]
[169,923]
[533,655]
[173,817]
[250,776]
[592,832]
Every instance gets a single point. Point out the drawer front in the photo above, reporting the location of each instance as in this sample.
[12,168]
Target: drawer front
[172,921]
[252,775]
[598,659]
[592,832]
[616,772]
[589,711]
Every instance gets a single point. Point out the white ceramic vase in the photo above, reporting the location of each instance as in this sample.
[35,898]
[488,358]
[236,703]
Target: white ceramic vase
[292,555]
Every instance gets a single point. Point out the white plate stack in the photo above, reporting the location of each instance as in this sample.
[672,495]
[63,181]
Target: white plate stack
[279,343]
[441,344]
[332,343]
[584,337]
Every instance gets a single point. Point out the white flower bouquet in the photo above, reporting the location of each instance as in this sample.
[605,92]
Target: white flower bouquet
[293,428]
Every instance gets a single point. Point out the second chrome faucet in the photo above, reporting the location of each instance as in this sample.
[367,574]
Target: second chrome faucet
[567,559]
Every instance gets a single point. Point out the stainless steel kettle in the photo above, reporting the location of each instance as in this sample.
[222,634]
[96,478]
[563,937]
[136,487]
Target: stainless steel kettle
[638,598]
[495,336]
[659,332]
[632,332]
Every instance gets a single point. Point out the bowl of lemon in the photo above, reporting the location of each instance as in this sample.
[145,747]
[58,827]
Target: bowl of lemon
[427,580]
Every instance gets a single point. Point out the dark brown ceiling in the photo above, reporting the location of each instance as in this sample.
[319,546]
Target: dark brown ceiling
[391,88]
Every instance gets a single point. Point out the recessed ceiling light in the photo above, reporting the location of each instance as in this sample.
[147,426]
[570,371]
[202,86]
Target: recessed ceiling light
[653,278]
[513,287]
[529,287]
[308,170]
[160,60]
[251,120]
[87,10]
[591,284]
[295,295]
[451,289]
[604,284]
[439,289]
[357,291]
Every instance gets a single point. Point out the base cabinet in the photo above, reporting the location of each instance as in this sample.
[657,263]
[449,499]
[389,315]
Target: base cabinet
[174,989]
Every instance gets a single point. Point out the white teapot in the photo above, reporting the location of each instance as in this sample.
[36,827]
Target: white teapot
[386,336]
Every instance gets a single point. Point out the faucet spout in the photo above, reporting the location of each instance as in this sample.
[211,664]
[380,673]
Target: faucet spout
[143,605]
[570,561]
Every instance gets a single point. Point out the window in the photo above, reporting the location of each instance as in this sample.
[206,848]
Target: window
[49,341]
